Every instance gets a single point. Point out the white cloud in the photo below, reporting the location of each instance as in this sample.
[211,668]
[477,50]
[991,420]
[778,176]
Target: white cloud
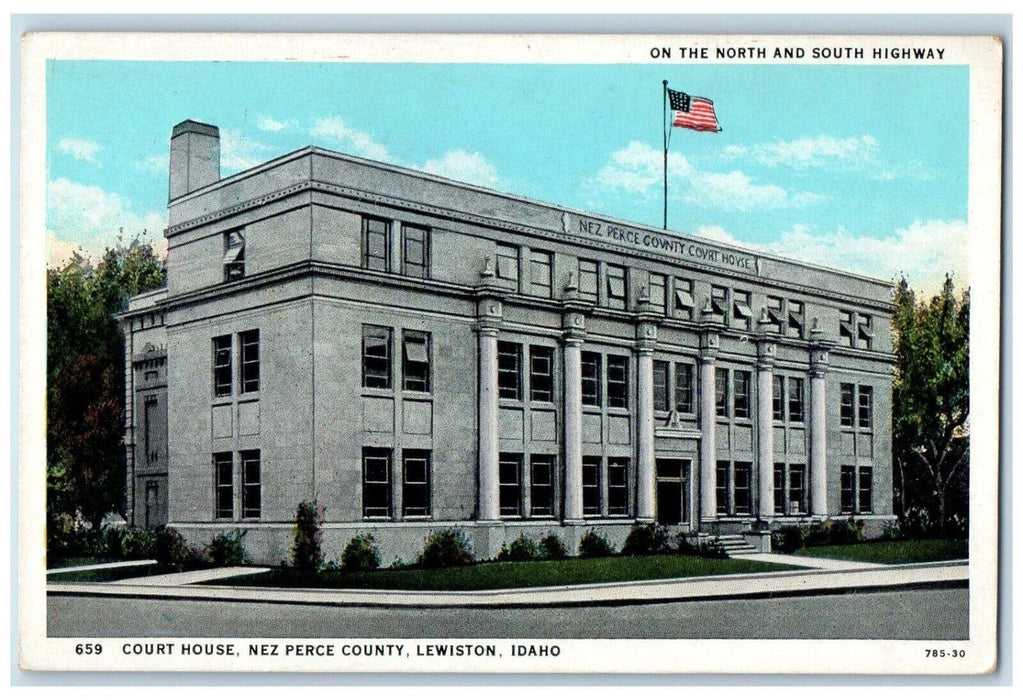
[158,165]
[638,169]
[88,217]
[357,142]
[80,149]
[811,152]
[266,123]
[463,166]
[924,251]
[239,152]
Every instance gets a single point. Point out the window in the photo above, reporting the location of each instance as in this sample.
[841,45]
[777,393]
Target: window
[661,385]
[848,489]
[591,371]
[234,255]
[249,343]
[741,475]
[376,482]
[540,266]
[251,486]
[376,357]
[718,303]
[796,315]
[222,365]
[508,262]
[616,287]
[866,406]
[684,298]
[509,371]
[778,398]
[845,328]
[774,313]
[779,488]
[588,280]
[223,484]
[541,373]
[864,336]
[742,314]
[658,291]
[721,391]
[415,361]
[510,484]
[541,486]
[722,473]
[375,250]
[149,418]
[591,485]
[617,485]
[866,489]
[683,387]
[795,399]
[617,381]
[415,487]
[415,251]
[848,418]
[797,488]
[741,407]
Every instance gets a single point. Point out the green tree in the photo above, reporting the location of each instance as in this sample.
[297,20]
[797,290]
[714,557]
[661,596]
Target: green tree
[85,377]
[931,398]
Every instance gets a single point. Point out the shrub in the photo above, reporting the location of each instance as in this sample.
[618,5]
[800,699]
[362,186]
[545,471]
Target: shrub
[306,551]
[593,545]
[521,549]
[710,550]
[551,547]
[360,554]
[171,548]
[917,523]
[227,549]
[135,542]
[445,548]
[849,532]
[787,539]
[646,539]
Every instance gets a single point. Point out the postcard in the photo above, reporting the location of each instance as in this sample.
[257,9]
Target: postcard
[509,353]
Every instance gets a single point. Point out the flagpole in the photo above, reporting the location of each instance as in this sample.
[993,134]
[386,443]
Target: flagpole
[664,133]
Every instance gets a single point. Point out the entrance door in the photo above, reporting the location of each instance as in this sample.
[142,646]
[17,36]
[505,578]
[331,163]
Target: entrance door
[672,491]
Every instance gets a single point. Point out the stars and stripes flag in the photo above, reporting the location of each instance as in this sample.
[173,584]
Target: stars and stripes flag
[696,113]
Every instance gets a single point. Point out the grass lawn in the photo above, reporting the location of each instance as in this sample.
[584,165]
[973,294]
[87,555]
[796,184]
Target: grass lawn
[498,575]
[897,552]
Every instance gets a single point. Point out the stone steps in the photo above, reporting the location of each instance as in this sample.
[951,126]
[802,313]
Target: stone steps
[734,544]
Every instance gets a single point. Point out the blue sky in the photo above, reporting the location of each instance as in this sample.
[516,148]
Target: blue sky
[857,167]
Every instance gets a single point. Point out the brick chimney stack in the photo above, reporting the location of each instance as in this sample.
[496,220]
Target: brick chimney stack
[194,157]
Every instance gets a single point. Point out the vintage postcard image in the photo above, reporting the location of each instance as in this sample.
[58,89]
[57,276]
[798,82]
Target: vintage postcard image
[464,353]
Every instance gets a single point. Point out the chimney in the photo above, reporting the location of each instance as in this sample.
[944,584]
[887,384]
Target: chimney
[194,157]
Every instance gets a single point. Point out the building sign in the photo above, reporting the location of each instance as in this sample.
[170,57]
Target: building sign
[663,243]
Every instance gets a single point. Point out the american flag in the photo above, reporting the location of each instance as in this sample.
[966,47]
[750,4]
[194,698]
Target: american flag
[696,113]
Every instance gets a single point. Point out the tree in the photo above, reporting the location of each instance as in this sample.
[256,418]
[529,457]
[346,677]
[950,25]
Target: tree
[85,377]
[931,398]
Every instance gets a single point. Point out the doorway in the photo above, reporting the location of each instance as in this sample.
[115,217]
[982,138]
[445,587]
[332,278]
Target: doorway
[672,491]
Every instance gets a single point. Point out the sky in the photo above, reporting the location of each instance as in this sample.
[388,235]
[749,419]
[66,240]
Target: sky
[861,168]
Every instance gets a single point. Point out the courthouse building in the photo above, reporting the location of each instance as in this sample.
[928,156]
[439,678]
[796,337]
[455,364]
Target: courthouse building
[417,353]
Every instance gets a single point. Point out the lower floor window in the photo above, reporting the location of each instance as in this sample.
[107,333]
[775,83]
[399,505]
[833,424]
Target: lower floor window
[376,482]
[510,484]
[857,489]
[541,485]
[415,491]
[252,500]
[789,489]
[223,484]
[617,485]
[733,487]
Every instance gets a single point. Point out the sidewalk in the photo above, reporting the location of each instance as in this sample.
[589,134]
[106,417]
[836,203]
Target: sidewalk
[828,576]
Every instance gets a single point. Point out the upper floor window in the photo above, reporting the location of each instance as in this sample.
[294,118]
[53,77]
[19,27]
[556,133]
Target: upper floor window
[847,416]
[775,315]
[718,303]
[658,291]
[616,284]
[742,314]
[415,361]
[684,298]
[796,399]
[796,319]
[865,336]
[249,342]
[857,406]
[684,387]
[866,407]
[588,279]
[778,398]
[509,370]
[508,262]
[617,381]
[222,365]
[721,391]
[673,391]
[234,255]
[540,264]
[376,235]
[541,373]
[741,392]
[376,357]
[415,255]
[591,373]
[661,385]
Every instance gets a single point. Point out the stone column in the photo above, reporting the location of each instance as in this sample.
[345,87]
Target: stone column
[488,325]
[573,423]
[765,428]
[646,473]
[818,429]
[709,345]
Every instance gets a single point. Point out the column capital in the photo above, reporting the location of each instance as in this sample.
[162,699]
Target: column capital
[767,353]
[573,321]
[819,358]
[710,345]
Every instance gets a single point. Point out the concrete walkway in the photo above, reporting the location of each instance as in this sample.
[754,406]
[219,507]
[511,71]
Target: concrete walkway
[802,582]
[811,562]
[111,565]
[188,578]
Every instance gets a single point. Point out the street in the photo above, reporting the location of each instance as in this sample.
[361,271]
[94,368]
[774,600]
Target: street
[940,613]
